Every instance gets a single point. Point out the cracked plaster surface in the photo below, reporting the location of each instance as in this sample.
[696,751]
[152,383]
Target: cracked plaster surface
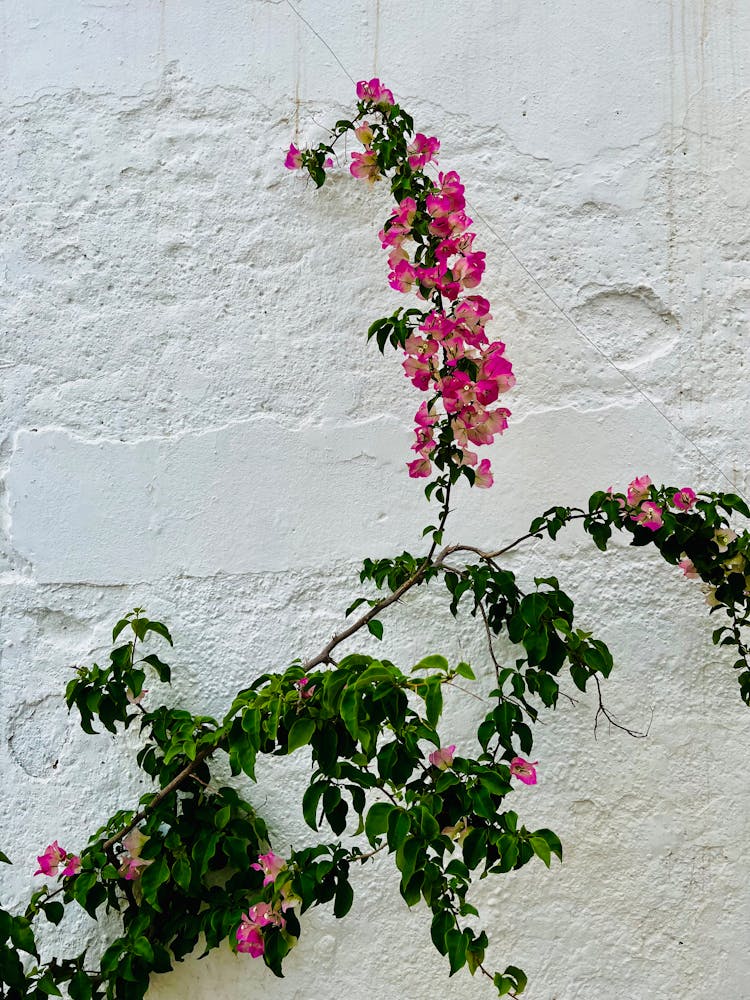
[192,422]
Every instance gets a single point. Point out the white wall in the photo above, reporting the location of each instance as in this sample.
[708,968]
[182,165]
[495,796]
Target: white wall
[193,422]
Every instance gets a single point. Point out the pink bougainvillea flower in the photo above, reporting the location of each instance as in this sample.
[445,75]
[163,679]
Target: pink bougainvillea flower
[420,468]
[51,859]
[422,151]
[424,417]
[249,934]
[442,758]
[302,686]
[136,699]
[132,868]
[73,865]
[688,569]
[133,842]
[650,515]
[373,90]
[270,864]
[293,159]
[684,499]
[524,770]
[250,938]
[403,276]
[364,133]
[638,490]
[483,477]
[364,166]
[723,536]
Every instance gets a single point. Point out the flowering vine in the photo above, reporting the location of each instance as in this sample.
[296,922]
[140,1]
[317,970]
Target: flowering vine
[192,863]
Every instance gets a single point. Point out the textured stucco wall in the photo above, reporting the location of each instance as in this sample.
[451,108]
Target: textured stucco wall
[191,421]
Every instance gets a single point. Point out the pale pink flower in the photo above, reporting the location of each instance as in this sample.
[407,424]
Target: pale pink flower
[365,133]
[51,859]
[293,159]
[442,758]
[132,868]
[638,490]
[688,569]
[524,770]
[723,536]
[483,477]
[420,468]
[136,699]
[131,862]
[133,842]
[270,864]
[649,515]
[684,499]
[365,166]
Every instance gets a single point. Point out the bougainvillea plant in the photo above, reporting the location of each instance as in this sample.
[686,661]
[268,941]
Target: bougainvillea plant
[192,865]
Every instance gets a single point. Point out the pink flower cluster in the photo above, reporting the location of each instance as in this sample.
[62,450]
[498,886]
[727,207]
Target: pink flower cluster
[647,512]
[250,939]
[449,355]
[55,857]
[250,932]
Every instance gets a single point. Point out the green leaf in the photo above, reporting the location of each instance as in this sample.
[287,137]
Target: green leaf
[46,985]
[181,873]
[432,663]
[22,935]
[310,801]
[299,734]
[519,976]
[398,828]
[123,623]
[343,899]
[376,822]
[349,710]
[433,701]
[79,986]
[376,628]
[163,671]
[532,607]
[541,849]
[442,923]
[53,911]
[465,671]
[5,859]
[456,946]
[160,629]
[143,949]
[154,876]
